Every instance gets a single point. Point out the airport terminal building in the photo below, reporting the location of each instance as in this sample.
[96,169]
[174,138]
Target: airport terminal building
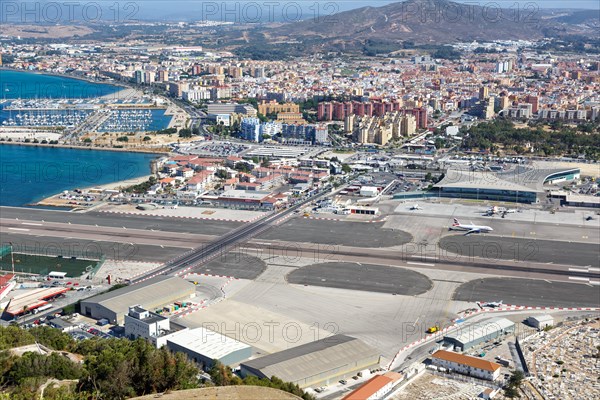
[523,184]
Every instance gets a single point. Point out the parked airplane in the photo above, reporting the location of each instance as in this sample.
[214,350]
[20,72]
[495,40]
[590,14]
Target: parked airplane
[469,228]
[416,207]
[492,304]
[490,212]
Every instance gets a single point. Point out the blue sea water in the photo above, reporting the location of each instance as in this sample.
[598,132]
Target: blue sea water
[30,85]
[29,174]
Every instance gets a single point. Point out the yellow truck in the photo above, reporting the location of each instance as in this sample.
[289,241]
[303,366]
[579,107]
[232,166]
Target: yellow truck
[433,329]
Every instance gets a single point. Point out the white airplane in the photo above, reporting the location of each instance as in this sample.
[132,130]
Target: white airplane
[499,210]
[469,228]
[416,207]
[492,304]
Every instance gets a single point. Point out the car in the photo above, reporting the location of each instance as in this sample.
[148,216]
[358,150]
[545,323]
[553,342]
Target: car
[355,377]
[343,381]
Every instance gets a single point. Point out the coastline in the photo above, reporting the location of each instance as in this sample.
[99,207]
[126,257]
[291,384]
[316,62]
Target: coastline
[158,152]
[54,201]
[61,75]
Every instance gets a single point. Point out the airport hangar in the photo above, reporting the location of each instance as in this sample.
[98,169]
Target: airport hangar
[524,184]
[321,362]
[153,293]
[474,335]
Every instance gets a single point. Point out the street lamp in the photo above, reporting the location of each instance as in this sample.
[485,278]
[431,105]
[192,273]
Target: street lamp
[12,257]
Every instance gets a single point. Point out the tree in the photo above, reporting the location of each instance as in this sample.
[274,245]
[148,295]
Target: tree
[346,168]
[123,139]
[185,133]
[147,138]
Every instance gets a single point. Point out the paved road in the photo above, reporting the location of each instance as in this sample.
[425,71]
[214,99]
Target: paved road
[534,250]
[366,277]
[357,234]
[149,222]
[529,292]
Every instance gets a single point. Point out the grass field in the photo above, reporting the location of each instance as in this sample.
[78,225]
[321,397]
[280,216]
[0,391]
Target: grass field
[42,265]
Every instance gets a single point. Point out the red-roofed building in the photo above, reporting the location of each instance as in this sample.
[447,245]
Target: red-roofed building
[467,365]
[199,181]
[375,388]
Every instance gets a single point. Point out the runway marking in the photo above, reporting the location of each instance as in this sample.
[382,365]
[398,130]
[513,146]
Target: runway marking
[418,263]
[30,223]
[576,278]
[20,229]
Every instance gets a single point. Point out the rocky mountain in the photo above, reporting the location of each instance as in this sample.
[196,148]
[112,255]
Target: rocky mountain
[431,22]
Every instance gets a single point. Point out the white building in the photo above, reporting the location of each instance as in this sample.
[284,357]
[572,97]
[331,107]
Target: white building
[466,365]
[540,321]
[150,326]
[369,191]
[204,345]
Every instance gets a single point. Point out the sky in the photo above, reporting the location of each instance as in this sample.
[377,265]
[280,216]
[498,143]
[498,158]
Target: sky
[225,10]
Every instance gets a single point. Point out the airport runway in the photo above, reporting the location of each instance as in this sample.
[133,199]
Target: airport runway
[365,277]
[234,264]
[357,234]
[527,250]
[93,218]
[529,292]
[112,250]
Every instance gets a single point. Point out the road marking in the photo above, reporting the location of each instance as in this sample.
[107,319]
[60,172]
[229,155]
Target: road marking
[594,269]
[20,229]
[547,281]
[417,263]
[595,283]
[30,223]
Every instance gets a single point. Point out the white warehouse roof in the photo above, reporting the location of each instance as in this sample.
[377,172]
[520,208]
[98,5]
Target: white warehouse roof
[209,343]
[475,332]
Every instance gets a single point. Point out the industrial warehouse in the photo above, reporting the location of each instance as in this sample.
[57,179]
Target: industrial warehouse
[153,293]
[476,334]
[321,362]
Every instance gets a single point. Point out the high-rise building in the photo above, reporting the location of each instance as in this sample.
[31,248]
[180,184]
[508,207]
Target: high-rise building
[138,77]
[484,93]
[163,75]
[420,114]
[325,111]
[250,129]
[534,101]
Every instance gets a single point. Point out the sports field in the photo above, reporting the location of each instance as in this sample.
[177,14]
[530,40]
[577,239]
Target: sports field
[42,265]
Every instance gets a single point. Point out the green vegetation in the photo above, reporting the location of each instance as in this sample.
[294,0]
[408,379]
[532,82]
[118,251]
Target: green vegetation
[167,131]
[142,187]
[561,140]
[185,133]
[511,390]
[111,369]
[123,139]
[43,264]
